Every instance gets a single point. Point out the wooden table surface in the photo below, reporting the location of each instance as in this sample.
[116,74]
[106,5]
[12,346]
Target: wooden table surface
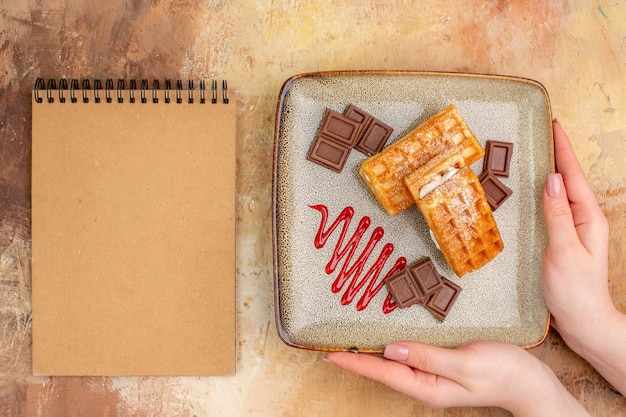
[577,49]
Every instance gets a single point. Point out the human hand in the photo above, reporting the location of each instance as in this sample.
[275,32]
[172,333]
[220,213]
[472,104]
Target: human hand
[475,374]
[575,267]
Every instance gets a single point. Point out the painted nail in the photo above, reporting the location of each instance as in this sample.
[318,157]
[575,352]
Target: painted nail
[554,185]
[325,359]
[396,352]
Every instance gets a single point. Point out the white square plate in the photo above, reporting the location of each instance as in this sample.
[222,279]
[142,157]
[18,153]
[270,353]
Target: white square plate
[502,301]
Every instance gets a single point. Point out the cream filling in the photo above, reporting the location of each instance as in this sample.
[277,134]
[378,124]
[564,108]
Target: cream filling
[432,237]
[437,181]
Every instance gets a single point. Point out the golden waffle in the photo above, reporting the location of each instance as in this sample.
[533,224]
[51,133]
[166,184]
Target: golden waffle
[460,218]
[444,133]
[424,175]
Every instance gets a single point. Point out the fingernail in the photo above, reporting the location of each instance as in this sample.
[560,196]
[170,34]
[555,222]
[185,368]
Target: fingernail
[554,185]
[396,352]
[325,359]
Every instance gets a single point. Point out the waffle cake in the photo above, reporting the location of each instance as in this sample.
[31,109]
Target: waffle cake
[457,213]
[445,133]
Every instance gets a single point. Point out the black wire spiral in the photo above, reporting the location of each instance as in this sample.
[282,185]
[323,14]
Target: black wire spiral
[51,84]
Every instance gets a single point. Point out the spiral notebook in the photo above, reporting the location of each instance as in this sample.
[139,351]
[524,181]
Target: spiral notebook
[133,228]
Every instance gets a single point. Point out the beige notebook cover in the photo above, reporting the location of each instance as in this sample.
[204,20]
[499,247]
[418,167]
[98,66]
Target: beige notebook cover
[133,235]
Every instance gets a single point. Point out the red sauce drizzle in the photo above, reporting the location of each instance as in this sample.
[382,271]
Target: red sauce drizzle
[352,272]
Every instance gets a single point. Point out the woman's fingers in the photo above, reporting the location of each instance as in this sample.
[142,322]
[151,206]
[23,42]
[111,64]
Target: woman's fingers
[427,358]
[558,214]
[587,217]
[412,368]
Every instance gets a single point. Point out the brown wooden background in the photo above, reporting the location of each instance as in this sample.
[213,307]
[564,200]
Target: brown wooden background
[577,49]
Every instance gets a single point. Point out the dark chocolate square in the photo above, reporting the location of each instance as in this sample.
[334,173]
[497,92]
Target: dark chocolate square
[329,153]
[440,303]
[360,116]
[403,289]
[426,276]
[498,157]
[357,114]
[340,128]
[495,191]
[374,138]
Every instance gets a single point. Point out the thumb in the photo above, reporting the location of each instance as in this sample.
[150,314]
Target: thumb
[557,212]
[427,358]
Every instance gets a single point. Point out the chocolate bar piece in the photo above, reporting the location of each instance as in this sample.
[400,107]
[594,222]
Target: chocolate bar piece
[426,276]
[498,157]
[495,191]
[340,133]
[360,116]
[440,303]
[329,153]
[373,133]
[374,138]
[407,287]
[403,289]
[340,128]
[415,283]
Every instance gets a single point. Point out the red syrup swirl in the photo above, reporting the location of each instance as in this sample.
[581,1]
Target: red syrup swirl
[353,272]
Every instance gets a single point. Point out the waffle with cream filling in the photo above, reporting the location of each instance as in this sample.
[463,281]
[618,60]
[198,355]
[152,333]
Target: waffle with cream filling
[444,133]
[457,213]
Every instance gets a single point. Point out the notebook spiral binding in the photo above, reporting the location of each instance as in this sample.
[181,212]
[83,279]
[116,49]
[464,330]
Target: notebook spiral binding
[74,89]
